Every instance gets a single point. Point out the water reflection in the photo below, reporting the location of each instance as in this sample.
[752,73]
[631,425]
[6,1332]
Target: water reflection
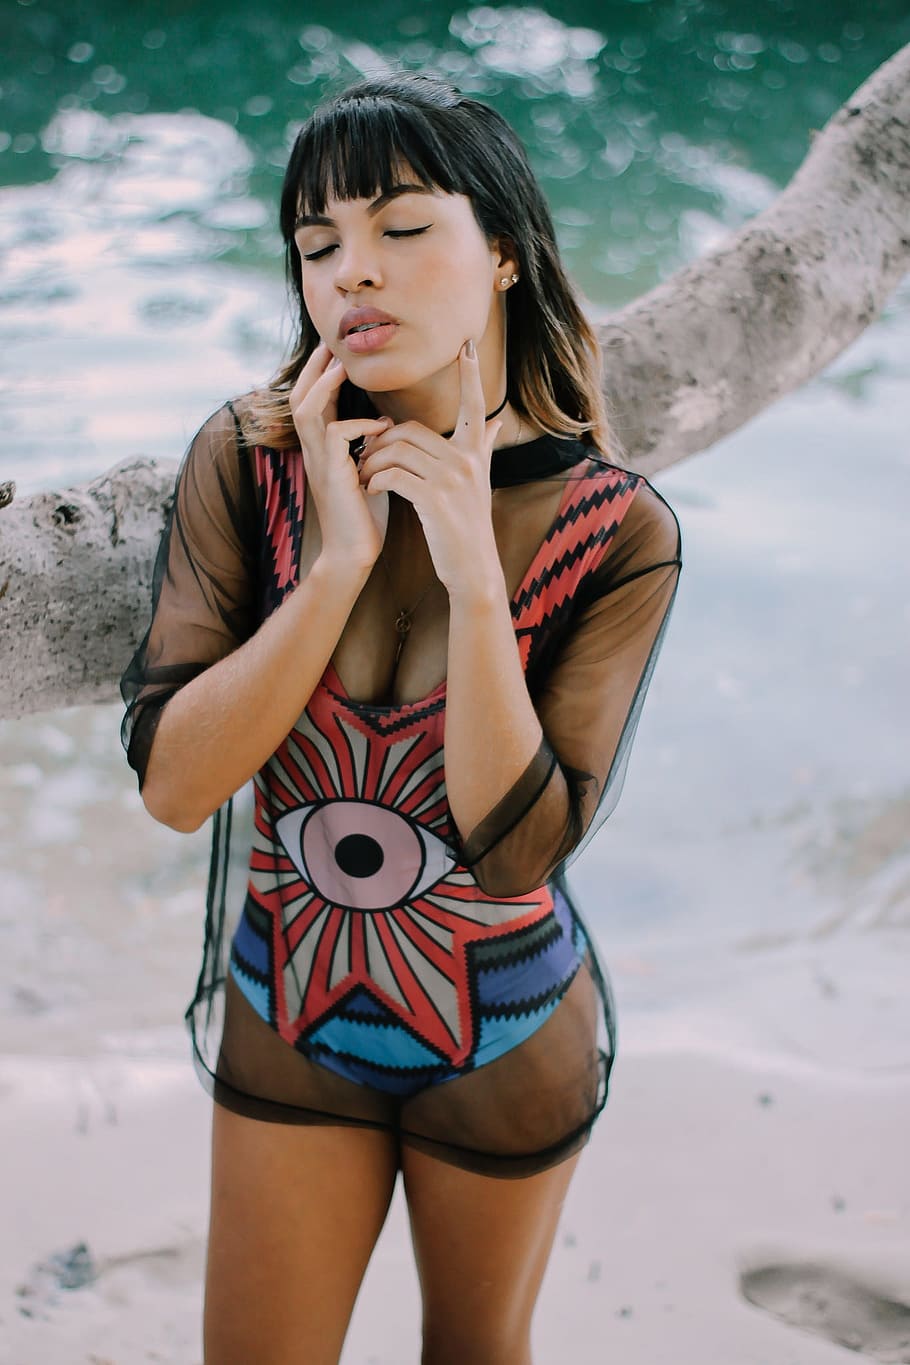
[120,247]
[551,56]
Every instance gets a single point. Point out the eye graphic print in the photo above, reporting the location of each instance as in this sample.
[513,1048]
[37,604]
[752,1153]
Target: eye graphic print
[361,856]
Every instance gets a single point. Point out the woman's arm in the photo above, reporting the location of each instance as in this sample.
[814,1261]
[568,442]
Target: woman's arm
[492,731]
[211,692]
[222,726]
[526,779]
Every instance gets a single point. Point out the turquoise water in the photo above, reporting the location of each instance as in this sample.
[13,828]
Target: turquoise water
[143,148]
[757,871]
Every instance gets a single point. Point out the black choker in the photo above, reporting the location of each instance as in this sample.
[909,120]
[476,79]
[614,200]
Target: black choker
[489,417]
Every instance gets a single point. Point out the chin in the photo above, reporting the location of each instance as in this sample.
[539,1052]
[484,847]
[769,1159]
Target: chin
[387,374]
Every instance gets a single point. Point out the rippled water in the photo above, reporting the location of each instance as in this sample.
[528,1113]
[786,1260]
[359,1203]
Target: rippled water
[757,872]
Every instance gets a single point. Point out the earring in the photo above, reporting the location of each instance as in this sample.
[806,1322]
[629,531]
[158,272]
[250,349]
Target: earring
[505,281]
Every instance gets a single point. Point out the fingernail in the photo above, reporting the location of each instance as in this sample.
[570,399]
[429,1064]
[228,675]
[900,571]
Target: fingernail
[470,349]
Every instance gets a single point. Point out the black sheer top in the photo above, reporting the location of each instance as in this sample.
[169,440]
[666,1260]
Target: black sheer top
[591,555]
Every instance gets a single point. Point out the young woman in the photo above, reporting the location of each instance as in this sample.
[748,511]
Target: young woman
[408,592]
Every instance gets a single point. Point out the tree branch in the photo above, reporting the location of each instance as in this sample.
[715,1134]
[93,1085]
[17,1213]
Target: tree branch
[776,302]
[689,362]
[75,585]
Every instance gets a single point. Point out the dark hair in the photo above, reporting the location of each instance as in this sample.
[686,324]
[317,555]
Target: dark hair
[354,146]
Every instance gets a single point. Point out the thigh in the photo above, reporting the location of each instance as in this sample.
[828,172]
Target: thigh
[482,1245]
[295,1214]
[532,1105]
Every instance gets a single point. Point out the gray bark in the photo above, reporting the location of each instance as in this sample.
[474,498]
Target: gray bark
[75,585]
[689,362]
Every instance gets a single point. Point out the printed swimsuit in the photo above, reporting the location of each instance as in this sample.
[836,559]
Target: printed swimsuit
[363,941]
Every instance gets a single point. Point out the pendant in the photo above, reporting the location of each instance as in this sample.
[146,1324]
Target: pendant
[402,625]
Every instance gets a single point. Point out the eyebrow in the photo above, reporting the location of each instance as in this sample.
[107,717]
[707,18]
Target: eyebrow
[320,219]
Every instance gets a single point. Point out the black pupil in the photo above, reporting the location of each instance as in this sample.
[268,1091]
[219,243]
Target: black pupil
[358,855]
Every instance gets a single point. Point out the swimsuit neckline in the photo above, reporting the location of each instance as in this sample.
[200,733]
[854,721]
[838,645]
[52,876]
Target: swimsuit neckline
[546,454]
[543,456]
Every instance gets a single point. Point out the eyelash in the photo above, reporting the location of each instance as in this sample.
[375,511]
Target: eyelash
[390,232]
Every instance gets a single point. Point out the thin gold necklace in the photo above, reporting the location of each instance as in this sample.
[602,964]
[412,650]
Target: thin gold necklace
[403,619]
[405,614]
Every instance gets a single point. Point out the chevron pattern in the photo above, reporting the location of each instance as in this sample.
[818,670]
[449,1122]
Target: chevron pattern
[281,480]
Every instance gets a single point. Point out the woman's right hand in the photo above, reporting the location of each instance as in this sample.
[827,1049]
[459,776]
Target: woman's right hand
[350,523]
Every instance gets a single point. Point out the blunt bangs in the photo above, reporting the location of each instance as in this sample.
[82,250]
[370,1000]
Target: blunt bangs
[359,149]
[411,128]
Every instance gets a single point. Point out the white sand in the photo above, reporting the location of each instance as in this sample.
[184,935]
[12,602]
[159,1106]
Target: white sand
[700,1169]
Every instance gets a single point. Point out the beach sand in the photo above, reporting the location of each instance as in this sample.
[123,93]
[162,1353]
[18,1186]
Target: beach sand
[726,1212]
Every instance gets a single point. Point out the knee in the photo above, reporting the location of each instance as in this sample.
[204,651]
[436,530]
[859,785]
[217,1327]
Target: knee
[462,1344]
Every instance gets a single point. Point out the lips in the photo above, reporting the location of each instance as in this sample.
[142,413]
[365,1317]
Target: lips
[362,320]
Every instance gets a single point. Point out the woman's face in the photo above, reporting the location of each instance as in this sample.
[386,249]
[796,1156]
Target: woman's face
[396,284]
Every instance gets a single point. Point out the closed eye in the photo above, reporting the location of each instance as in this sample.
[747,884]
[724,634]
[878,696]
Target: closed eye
[406,232]
[390,232]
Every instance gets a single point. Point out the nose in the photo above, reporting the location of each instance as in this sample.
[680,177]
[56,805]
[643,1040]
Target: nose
[356,267]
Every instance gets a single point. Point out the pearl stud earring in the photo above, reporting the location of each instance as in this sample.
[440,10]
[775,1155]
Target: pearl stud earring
[505,281]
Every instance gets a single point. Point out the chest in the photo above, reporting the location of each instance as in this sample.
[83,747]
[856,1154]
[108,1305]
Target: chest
[374,661]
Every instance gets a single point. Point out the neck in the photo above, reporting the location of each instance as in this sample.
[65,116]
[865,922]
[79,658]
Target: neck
[404,405]
[435,402]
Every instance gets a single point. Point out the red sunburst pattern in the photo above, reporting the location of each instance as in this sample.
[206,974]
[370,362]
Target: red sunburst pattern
[353,859]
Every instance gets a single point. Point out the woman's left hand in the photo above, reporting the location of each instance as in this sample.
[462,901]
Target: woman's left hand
[448,483]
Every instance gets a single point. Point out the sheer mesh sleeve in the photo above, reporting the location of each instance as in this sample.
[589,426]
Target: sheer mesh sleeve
[588,696]
[204,585]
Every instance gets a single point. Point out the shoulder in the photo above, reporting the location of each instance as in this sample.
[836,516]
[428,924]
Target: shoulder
[217,470]
[219,435]
[224,439]
[657,523]
[236,418]
[643,519]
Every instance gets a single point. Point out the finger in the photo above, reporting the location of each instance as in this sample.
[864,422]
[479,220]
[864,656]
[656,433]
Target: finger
[414,434]
[331,378]
[352,427]
[311,371]
[398,456]
[471,407]
[356,431]
[399,481]
[321,401]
